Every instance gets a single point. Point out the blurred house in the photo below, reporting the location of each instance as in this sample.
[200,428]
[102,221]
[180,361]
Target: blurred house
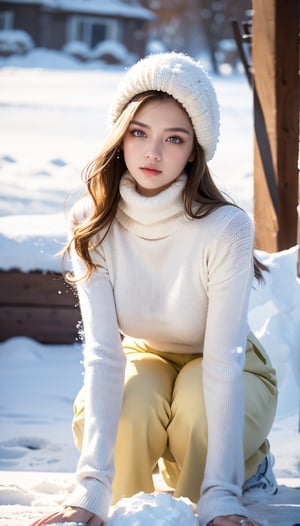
[81,26]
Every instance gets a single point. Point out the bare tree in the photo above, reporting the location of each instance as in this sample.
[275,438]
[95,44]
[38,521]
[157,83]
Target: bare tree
[192,25]
[215,22]
[174,17]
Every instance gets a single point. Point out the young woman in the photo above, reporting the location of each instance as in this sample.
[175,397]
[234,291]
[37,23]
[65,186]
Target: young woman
[164,265]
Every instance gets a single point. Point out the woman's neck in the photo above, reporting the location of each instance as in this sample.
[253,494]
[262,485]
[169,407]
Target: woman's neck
[151,217]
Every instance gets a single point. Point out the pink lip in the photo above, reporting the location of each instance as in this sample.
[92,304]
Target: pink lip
[150,170]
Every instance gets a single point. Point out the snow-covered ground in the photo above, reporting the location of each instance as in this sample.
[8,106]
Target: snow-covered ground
[53,120]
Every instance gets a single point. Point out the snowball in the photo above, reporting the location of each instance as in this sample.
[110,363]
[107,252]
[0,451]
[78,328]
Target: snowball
[159,509]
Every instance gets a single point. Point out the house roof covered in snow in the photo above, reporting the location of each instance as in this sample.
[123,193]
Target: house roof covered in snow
[94,7]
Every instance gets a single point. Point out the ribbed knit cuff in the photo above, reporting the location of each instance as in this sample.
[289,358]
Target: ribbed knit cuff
[91,495]
[217,502]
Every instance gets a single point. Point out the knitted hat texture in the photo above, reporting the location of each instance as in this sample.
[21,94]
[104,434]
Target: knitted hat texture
[186,81]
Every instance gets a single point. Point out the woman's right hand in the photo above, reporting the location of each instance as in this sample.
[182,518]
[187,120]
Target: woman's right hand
[232,520]
[70,514]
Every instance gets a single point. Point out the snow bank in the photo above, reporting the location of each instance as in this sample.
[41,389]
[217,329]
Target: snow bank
[31,243]
[274,316]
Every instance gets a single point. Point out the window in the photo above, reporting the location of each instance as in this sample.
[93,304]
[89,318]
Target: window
[92,30]
[6,20]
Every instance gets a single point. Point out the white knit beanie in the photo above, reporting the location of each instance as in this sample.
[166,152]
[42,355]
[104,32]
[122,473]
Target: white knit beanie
[186,81]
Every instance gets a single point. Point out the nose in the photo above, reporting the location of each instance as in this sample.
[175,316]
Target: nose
[153,154]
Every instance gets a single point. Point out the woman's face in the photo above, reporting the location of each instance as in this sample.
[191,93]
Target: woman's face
[157,145]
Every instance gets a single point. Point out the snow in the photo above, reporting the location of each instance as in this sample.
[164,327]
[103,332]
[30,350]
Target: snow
[111,8]
[53,113]
[114,49]
[95,7]
[14,41]
[38,236]
[145,510]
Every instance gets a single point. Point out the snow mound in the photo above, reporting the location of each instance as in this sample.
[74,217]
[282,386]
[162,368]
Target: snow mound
[12,495]
[159,509]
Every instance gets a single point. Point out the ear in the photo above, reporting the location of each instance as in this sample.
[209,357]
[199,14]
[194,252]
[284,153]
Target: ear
[192,156]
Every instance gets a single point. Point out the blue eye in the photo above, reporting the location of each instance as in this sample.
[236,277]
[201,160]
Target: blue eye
[175,140]
[138,133]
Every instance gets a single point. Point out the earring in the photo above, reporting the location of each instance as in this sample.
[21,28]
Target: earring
[118,154]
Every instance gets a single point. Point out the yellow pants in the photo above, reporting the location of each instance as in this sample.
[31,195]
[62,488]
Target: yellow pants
[163,419]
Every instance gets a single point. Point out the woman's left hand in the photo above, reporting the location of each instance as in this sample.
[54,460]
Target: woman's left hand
[70,514]
[233,520]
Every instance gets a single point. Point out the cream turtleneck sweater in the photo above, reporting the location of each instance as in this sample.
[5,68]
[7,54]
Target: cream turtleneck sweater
[180,285]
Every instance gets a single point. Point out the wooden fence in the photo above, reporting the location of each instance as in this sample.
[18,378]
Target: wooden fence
[38,305]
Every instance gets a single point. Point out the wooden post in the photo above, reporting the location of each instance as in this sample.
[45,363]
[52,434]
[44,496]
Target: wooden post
[275,60]
[298,242]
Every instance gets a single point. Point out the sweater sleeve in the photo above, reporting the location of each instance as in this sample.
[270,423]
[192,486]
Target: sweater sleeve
[230,277]
[104,365]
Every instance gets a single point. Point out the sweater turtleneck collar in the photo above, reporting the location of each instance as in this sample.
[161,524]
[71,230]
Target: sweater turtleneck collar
[152,217]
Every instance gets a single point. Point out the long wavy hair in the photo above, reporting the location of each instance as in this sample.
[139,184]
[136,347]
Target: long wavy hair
[102,179]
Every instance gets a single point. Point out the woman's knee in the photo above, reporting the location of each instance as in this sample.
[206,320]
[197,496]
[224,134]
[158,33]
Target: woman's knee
[141,404]
[188,398]
[148,390]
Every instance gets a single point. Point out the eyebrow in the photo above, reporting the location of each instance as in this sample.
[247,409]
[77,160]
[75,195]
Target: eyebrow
[176,129]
